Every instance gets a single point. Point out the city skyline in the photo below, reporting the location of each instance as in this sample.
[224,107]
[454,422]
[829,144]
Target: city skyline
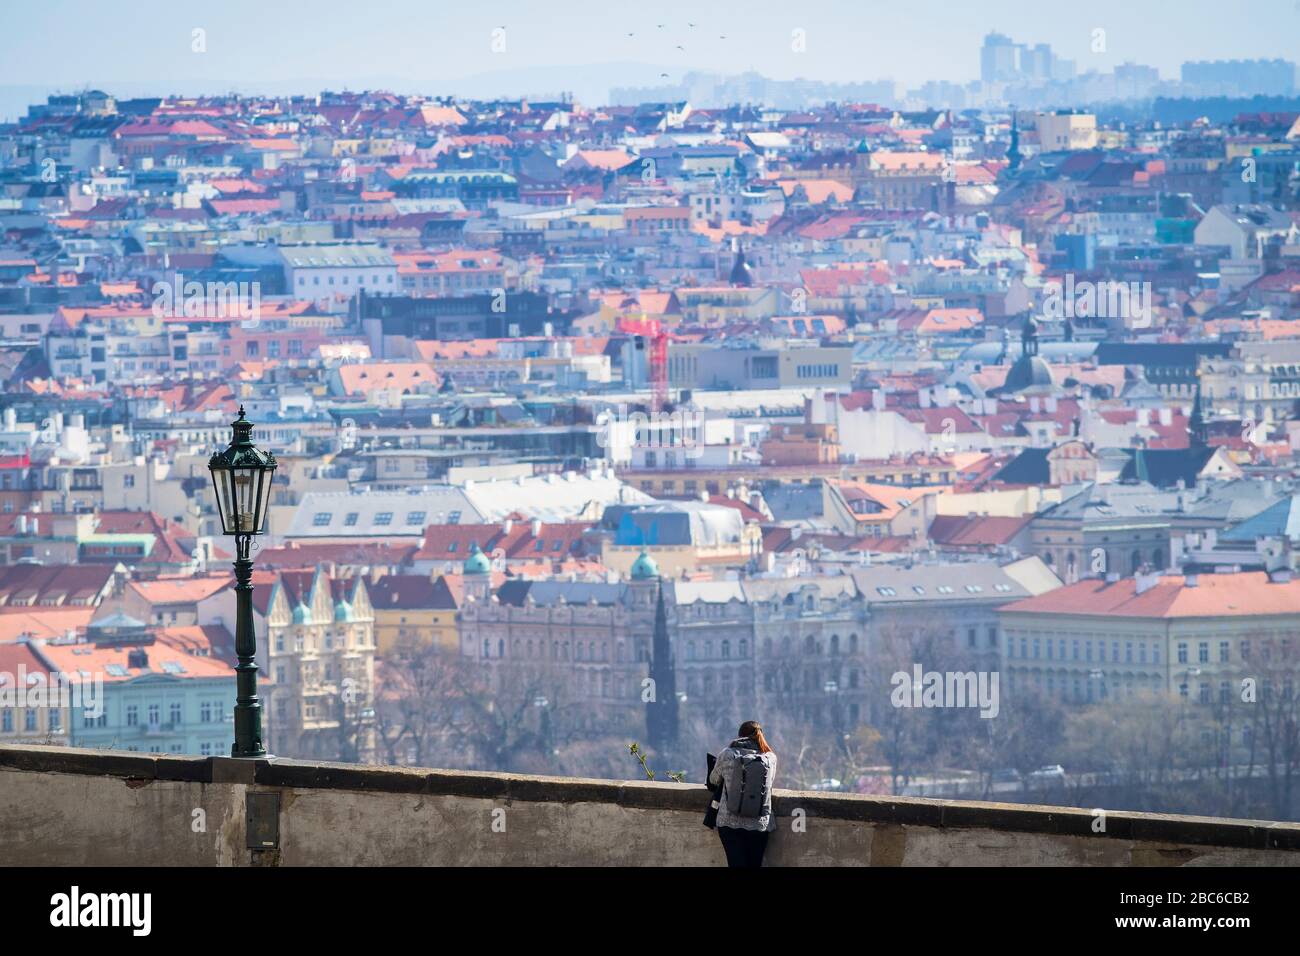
[588,49]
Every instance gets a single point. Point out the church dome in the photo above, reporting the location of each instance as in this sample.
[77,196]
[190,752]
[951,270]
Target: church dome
[644,568]
[477,562]
[1029,372]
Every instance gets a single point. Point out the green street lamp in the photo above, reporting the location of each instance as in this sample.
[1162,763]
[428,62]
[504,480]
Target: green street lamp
[241,477]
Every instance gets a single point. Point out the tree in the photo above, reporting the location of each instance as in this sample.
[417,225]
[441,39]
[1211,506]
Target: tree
[420,712]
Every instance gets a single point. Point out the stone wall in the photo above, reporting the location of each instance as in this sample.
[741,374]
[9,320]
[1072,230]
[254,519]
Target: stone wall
[93,807]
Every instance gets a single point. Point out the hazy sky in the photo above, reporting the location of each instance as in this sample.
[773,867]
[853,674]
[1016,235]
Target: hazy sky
[431,44]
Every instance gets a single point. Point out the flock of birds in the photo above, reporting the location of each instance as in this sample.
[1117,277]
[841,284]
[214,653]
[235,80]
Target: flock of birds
[663,26]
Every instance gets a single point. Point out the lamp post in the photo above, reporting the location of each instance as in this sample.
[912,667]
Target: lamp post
[241,477]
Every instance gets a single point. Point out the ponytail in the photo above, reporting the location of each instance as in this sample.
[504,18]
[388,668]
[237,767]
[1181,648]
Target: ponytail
[752,728]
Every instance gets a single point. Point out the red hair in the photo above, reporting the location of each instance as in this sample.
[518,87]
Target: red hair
[752,728]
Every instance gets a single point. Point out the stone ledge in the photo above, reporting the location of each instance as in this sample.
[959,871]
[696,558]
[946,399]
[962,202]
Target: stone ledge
[650,795]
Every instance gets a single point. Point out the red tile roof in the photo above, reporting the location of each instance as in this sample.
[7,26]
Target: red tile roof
[1247,594]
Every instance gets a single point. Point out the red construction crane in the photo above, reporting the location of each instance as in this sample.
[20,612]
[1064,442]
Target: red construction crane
[654,340]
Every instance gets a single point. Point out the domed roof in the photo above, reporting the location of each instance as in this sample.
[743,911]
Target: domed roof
[477,562]
[644,568]
[1029,371]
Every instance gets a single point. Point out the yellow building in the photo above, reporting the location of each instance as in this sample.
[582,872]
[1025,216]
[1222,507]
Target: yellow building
[413,609]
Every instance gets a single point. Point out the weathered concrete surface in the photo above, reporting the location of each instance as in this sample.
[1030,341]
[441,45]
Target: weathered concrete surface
[82,807]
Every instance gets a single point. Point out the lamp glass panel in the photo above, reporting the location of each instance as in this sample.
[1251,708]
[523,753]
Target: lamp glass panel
[245,499]
[221,477]
[264,497]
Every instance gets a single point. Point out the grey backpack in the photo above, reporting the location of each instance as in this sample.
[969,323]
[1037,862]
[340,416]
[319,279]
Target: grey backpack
[747,789]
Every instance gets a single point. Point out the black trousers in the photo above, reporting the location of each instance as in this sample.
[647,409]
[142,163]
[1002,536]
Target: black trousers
[744,848]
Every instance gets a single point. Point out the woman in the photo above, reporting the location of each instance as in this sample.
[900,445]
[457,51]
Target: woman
[746,770]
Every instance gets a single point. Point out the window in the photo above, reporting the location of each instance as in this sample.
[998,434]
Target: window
[174,713]
[321,518]
[1182,653]
[351,519]
[1203,652]
[415,518]
[384,518]
[1223,652]
[132,715]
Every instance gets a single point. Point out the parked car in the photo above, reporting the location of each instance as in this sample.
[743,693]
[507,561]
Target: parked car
[826,783]
[1051,773]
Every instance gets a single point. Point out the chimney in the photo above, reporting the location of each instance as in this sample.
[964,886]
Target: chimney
[1166,416]
[537,527]
[1191,580]
[508,526]
[1033,404]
